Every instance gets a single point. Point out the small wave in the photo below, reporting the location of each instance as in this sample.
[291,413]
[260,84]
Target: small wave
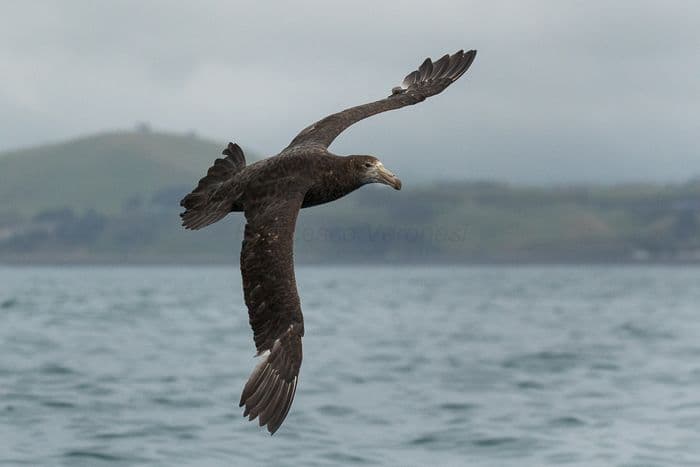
[605,366]
[58,404]
[56,369]
[458,406]
[567,421]
[496,441]
[352,378]
[637,331]
[439,440]
[186,402]
[336,410]
[179,431]
[93,389]
[121,435]
[545,361]
[346,459]
[529,385]
[425,439]
[9,303]
[685,406]
[147,292]
[383,358]
[97,455]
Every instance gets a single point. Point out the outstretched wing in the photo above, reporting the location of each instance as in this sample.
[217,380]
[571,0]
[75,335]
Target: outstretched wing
[270,291]
[429,79]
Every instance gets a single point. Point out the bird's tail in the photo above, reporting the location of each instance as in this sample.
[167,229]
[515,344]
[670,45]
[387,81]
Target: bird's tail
[211,200]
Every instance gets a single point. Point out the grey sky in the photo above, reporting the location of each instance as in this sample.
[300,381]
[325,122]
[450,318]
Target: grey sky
[560,91]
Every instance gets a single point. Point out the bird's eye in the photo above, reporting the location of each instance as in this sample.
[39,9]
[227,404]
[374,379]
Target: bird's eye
[368,165]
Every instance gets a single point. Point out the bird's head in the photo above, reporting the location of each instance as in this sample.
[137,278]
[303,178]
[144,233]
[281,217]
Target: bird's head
[371,170]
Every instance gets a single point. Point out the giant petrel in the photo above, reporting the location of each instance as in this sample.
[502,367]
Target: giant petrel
[270,193]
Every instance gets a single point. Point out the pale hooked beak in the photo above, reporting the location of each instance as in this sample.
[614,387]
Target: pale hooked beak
[387,177]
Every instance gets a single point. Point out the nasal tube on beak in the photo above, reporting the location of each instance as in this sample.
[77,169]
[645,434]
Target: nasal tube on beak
[388,178]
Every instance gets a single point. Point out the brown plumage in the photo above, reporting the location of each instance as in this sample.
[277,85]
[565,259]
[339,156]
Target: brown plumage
[270,193]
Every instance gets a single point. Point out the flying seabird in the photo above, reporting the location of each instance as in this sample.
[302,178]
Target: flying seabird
[271,192]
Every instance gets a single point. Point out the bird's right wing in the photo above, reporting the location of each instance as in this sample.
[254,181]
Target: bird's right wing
[429,79]
[270,291]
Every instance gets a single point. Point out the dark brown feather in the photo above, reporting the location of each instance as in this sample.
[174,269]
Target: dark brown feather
[215,194]
[441,65]
[269,287]
[425,69]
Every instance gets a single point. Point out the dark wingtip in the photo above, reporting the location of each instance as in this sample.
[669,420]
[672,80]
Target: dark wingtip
[269,400]
[230,149]
[470,56]
[462,61]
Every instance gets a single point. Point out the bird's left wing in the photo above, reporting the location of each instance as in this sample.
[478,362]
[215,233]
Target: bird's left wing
[270,291]
[429,79]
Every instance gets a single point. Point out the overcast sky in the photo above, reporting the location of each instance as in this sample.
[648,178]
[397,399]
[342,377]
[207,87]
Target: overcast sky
[560,91]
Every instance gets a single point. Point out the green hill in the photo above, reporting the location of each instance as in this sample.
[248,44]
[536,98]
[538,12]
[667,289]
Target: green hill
[113,197]
[104,172]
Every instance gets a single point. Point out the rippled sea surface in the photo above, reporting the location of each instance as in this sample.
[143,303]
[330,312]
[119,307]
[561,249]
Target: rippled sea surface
[404,366]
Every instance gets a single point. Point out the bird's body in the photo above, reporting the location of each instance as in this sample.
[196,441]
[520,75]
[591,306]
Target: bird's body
[271,192]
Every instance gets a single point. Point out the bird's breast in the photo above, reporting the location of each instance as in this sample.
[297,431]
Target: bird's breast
[328,188]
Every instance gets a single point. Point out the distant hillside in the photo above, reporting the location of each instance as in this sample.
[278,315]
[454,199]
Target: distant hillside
[104,172]
[114,198]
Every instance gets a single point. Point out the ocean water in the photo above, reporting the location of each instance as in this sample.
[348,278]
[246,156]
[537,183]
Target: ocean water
[404,366]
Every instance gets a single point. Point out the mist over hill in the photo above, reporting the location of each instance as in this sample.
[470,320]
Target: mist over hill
[113,197]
